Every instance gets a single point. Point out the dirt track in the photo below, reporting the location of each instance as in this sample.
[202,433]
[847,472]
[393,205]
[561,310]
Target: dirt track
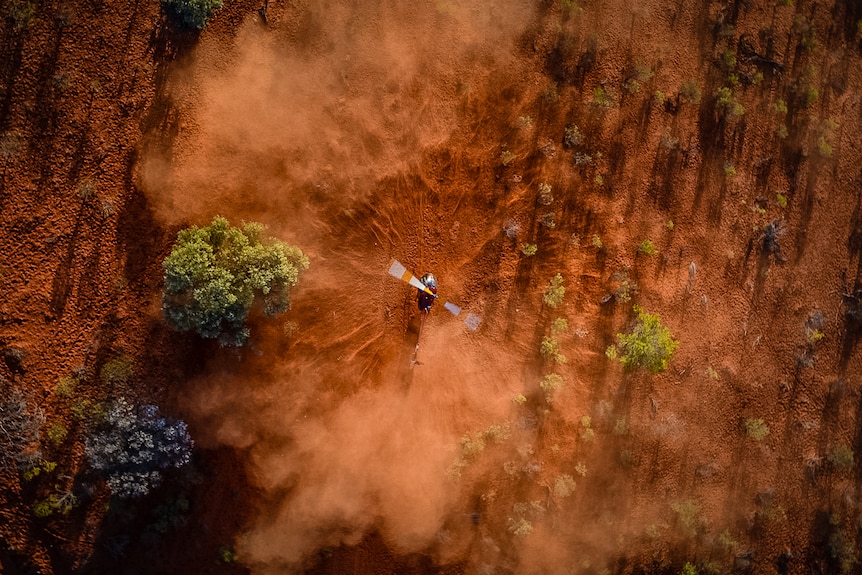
[366,133]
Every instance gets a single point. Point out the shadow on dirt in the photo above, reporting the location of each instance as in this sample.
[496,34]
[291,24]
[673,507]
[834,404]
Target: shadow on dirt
[852,298]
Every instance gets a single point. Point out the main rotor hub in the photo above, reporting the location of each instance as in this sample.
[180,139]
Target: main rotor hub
[429,281]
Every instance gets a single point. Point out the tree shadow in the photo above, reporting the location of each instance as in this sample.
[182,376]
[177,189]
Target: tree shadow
[10,64]
[139,232]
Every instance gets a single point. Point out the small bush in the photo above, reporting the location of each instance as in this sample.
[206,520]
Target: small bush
[192,13]
[550,384]
[564,486]
[649,345]
[65,387]
[550,349]
[688,513]
[214,274]
[603,98]
[690,92]
[38,469]
[118,371]
[727,60]
[546,198]
[511,228]
[625,288]
[824,148]
[22,13]
[86,189]
[756,428]
[689,569]
[572,137]
[227,555]
[727,104]
[586,432]
[647,248]
[669,142]
[61,503]
[135,446]
[472,445]
[815,335]
[842,549]
[726,540]
[520,527]
[57,433]
[808,35]
[559,325]
[841,457]
[498,433]
[88,411]
[19,440]
[555,292]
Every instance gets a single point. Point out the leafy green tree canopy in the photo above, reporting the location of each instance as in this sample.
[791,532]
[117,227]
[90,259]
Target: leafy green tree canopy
[192,13]
[214,273]
[649,345]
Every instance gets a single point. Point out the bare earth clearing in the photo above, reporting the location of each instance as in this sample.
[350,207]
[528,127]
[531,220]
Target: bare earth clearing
[447,135]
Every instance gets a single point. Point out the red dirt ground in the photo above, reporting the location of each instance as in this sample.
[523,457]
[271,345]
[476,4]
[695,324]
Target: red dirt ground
[370,132]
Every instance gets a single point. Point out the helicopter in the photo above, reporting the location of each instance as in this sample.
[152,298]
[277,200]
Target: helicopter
[426,295]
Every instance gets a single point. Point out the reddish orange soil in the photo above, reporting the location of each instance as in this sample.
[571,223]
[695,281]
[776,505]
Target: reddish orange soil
[421,132]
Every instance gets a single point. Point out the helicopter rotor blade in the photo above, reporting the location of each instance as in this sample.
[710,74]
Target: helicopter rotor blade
[454,309]
[398,271]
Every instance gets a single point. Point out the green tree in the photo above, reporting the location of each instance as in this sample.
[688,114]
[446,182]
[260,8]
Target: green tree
[649,345]
[214,273]
[192,13]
